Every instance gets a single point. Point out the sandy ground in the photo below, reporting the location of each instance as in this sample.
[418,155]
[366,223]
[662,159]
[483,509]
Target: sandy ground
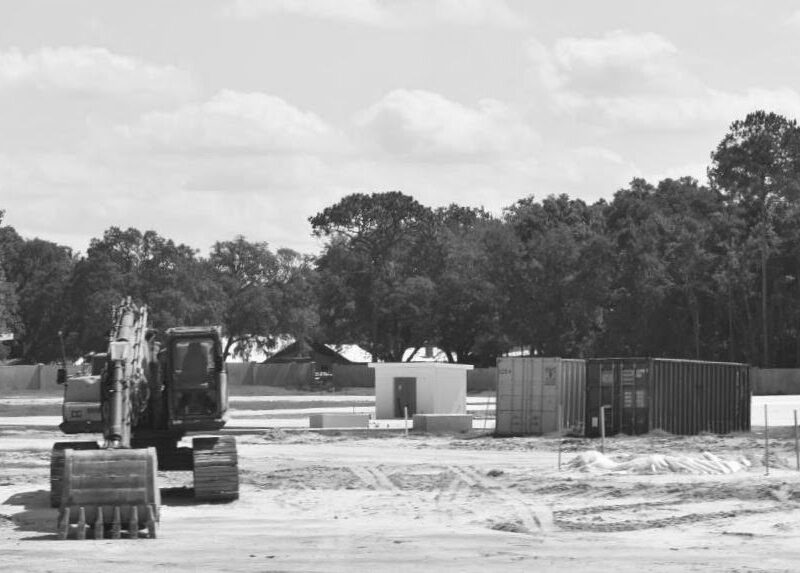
[379,501]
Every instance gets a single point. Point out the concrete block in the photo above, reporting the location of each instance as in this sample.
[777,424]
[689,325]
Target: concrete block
[338,420]
[442,423]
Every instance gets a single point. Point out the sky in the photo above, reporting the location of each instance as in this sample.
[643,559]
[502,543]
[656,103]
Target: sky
[207,119]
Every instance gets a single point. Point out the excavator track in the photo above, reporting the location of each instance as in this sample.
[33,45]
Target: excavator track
[109,490]
[216,469]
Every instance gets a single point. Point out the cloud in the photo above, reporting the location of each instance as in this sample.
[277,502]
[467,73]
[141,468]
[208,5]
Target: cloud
[628,80]
[617,48]
[386,13]
[425,124]
[794,19]
[91,70]
[711,105]
[618,62]
[236,122]
[577,170]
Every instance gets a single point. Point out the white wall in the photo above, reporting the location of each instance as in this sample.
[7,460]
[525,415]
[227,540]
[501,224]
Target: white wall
[441,388]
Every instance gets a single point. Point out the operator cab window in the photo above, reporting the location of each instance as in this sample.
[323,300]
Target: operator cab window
[194,362]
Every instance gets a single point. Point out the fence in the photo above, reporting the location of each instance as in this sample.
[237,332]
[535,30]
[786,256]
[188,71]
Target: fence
[482,380]
[353,375]
[38,378]
[290,375]
[775,381]
[42,377]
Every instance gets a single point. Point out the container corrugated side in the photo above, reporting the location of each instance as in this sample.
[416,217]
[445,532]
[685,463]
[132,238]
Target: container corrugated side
[682,397]
[532,390]
[573,395]
[690,397]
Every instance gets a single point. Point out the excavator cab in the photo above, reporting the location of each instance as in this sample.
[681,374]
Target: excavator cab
[195,380]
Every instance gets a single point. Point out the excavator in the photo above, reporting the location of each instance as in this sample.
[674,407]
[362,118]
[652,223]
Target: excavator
[144,397]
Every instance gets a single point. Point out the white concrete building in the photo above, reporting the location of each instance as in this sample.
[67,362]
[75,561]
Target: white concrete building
[422,387]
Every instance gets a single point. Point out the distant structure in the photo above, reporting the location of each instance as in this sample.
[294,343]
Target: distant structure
[308,350]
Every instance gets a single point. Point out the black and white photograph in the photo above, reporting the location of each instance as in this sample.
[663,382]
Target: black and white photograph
[399,285]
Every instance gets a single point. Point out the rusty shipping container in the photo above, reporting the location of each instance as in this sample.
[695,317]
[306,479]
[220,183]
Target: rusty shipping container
[678,396]
[531,391]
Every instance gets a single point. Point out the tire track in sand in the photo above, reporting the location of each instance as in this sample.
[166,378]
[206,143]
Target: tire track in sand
[535,517]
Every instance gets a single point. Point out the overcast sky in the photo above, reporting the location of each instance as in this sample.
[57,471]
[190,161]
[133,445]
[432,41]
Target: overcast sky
[204,119]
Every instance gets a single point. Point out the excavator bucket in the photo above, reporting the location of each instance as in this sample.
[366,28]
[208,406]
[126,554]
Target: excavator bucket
[109,491]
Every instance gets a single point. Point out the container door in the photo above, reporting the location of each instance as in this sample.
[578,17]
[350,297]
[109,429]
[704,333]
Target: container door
[551,375]
[600,384]
[609,388]
[627,410]
[641,400]
[405,396]
[633,380]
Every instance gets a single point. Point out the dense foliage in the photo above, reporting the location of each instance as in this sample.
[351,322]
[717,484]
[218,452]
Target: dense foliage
[674,268]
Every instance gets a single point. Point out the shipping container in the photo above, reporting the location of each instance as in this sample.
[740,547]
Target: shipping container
[684,397]
[532,391]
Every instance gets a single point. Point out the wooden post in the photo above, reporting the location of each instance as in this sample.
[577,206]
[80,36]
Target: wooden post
[796,448]
[560,437]
[766,440]
[405,420]
[603,429]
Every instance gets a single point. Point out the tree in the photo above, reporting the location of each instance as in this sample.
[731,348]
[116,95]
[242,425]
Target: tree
[40,272]
[663,296]
[686,213]
[9,319]
[267,295]
[557,285]
[298,313]
[178,288]
[373,268]
[468,300]
[757,167]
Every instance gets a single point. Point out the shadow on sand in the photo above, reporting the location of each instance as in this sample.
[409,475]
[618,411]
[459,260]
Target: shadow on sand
[38,517]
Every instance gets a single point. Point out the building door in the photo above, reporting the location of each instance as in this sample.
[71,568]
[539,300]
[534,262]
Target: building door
[405,396]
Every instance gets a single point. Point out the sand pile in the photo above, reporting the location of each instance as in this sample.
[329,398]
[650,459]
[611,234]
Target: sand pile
[706,463]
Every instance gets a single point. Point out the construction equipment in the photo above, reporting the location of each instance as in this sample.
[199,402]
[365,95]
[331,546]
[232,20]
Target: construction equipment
[147,398]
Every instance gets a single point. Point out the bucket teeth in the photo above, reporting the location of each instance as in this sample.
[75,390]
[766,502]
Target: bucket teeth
[99,524]
[151,522]
[133,528]
[116,524]
[81,533]
[63,523]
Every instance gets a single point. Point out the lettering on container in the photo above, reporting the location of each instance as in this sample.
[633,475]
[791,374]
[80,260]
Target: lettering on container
[628,376]
[627,400]
[640,398]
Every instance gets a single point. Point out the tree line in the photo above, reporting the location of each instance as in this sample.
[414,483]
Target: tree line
[675,268]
